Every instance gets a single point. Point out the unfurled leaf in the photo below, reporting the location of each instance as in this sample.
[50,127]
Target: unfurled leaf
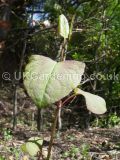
[47,81]
[94,103]
[32,146]
[63,26]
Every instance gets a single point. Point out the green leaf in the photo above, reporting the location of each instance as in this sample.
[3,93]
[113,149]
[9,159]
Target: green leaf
[47,81]
[32,146]
[23,147]
[63,26]
[95,104]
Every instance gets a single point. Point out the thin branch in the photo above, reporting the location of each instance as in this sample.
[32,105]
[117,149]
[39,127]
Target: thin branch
[28,35]
[22,57]
[42,30]
[4,4]
[15,107]
[17,16]
[30,11]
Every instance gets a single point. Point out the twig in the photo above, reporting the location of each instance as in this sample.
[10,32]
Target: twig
[15,107]
[22,57]
[15,89]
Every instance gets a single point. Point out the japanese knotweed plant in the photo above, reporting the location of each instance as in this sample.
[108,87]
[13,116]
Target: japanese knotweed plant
[48,82]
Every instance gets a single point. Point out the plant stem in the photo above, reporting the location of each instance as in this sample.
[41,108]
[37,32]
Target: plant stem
[53,130]
[15,108]
[69,98]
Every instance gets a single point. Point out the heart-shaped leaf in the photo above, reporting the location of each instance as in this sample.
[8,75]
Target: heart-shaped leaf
[63,26]
[47,81]
[94,103]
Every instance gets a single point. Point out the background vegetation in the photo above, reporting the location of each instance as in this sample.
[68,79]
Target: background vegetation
[95,40]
